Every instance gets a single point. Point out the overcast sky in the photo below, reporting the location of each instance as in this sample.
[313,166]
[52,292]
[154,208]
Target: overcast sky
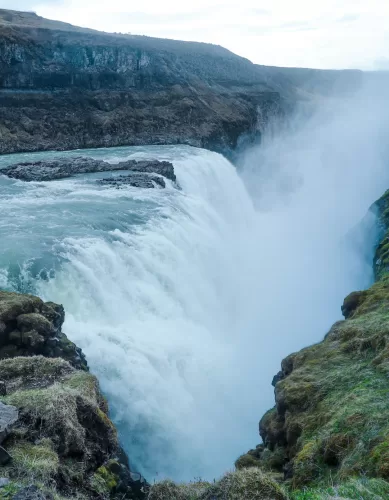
[310,33]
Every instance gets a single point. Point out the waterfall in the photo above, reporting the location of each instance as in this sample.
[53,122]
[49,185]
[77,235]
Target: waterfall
[185,300]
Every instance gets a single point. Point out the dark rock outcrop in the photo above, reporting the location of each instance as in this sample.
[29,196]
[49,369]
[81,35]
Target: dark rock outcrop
[29,326]
[61,168]
[352,302]
[8,416]
[135,180]
[54,424]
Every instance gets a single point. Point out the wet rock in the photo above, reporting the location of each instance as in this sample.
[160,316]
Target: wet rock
[279,376]
[135,180]
[352,302]
[8,416]
[61,168]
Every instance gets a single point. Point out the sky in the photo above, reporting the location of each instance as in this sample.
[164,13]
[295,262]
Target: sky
[304,33]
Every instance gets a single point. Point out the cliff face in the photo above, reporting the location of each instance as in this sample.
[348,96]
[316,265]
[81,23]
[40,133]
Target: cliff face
[56,438]
[63,87]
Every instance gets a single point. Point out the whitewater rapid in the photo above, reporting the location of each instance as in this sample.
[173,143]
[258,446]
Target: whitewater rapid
[183,300]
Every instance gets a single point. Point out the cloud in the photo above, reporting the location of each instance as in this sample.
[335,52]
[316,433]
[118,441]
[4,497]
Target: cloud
[260,12]
[148,18]
[381,64]
[348,18]
[29,5]
[297,26]
[321,35]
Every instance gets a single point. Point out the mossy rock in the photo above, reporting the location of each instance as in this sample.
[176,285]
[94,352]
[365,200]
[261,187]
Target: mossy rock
[246,461]
[104,482]
[167,489]
[63,434]
[29,326]
[249,483]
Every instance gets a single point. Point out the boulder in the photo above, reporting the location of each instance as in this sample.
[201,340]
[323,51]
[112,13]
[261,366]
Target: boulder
[352,302]
[8,416]
[28,326]
[135,180]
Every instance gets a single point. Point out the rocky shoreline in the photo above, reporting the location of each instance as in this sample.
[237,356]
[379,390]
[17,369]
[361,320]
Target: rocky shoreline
[56,438]
[143,174]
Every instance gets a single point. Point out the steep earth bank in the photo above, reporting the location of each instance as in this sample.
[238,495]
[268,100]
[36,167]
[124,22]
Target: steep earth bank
[56,438]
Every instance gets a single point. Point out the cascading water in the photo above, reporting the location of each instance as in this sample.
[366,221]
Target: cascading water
[155,290]
[185,300]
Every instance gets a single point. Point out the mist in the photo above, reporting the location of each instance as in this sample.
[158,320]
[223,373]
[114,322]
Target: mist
[310,243]
[186,317]
[312,180]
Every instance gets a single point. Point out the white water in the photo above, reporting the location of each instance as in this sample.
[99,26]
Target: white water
[158,312]
[186,301]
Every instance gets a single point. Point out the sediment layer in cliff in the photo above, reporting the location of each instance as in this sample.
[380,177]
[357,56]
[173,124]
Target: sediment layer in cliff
[63,87]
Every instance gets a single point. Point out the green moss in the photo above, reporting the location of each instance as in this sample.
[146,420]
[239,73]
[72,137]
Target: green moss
[33,462]
[247,460]
[109,478]
[361,488]
[104,481]
[54,409]
[34,366]
[84,383]
[336,399]
[67,413]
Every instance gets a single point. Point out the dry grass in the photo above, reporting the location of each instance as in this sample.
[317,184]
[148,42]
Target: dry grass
[33,462]
[244,484]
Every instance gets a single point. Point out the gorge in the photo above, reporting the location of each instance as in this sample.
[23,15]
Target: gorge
[184,299]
